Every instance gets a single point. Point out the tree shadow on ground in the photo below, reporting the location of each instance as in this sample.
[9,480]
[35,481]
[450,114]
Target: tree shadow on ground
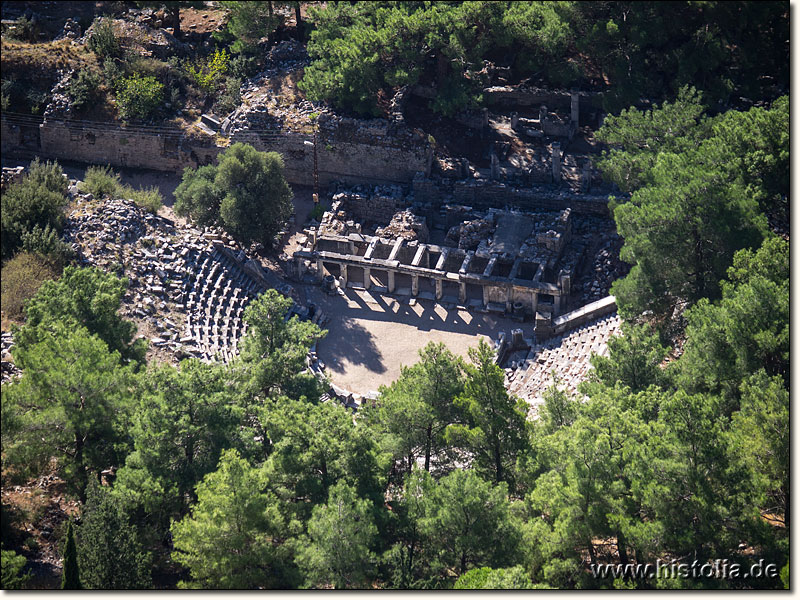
[352,342]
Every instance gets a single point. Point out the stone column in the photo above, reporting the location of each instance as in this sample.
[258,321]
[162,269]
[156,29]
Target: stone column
[514,120]
[438,289]
[343,270]
[320,269]
[534,303]
[556,161]
[586,177]
[367,279]
[558,302]
[574,104]
[391,281]
[509,295]
[414,285]
[495,165]
[542,115]
[462,292]
[485,295]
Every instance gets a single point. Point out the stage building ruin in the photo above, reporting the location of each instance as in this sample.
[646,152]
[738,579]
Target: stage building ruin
[505,261]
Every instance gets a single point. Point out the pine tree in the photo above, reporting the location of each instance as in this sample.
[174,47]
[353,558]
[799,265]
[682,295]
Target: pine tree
[110,553]
[70,576]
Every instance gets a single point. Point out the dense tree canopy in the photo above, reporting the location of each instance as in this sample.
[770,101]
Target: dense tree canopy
[110,553]
[84,298]
[245,193]
[231,539]
[72,402]
[247,475]
[630,50]
[695,200]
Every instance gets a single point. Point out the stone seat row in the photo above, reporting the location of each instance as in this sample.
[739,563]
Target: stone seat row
[568,355]
[218,293]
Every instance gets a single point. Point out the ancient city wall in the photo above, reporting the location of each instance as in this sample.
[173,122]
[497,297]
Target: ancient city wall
[532,96]
[123,147]
[345,156]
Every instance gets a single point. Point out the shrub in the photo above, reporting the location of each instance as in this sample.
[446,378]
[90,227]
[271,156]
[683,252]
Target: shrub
[22,276]
[23,29]
[112,73]
[50,175]
[207,74]
[231,98]
[47,243]
[317,212]
[37,99]
[99,181]
[103,40]
[150,199]
[39,199]
[83,88]
[243,66]
[138,97]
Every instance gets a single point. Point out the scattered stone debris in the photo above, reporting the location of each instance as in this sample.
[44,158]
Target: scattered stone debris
[11,175]
[406,225]
[469,234]
[72,30]
[187,288]
[9,369]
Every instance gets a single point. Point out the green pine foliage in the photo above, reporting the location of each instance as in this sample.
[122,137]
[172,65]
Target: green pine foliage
[82,298]
[72,402]
[340,534]
[234,537]
[70,574]
[695,198]
[110,554]
[240,476]
[632,50]
[13,575]
[494,429]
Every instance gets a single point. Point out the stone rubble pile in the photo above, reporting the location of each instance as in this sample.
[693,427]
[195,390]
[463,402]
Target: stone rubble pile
[187,288]
[11,175]
[406,225]
[71,30]
[60,106]
[336,221]
[469,234]
[287,54]
[261,109]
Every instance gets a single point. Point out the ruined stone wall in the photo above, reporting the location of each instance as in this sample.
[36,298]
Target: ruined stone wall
[122,147]
[351,155]
[377,208]
[520,96]
[585,314]
[492,194]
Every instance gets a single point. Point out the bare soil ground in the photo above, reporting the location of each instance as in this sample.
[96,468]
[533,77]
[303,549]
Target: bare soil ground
[370,336]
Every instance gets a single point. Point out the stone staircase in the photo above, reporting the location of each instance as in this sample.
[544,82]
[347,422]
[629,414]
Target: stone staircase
[568,355]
